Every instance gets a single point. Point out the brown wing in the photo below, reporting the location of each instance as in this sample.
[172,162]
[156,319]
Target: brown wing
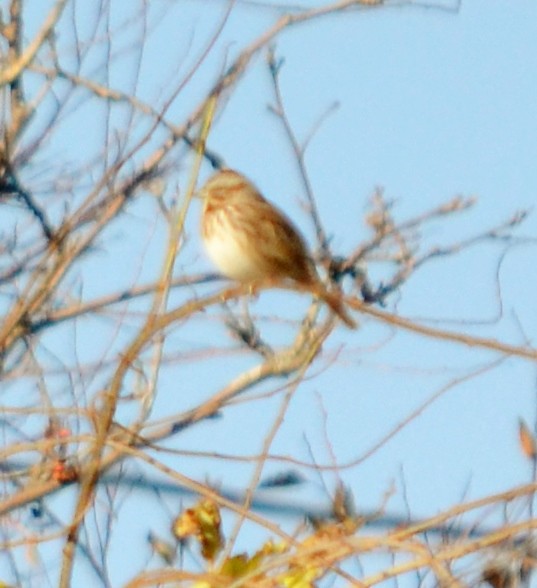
[281,243]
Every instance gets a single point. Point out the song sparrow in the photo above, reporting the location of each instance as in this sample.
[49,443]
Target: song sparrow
[252,241]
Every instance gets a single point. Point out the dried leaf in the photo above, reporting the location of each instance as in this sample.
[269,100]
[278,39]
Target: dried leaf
[64,472]
[527,440]
[202,521]
[162,548]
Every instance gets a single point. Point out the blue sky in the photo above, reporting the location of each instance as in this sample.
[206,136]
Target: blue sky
[431,104]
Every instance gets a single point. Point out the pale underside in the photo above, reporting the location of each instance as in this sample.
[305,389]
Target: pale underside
[228,256]
[267,250]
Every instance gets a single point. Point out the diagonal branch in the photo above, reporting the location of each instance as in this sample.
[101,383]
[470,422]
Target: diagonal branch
[14,70]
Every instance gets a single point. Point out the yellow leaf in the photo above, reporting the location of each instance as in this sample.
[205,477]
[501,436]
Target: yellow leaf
[202,521]
[299,578]
[237,566]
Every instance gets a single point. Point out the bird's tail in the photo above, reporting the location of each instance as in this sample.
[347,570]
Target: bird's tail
[335,301]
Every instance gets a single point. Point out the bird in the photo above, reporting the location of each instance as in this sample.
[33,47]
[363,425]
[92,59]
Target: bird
[252,241]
